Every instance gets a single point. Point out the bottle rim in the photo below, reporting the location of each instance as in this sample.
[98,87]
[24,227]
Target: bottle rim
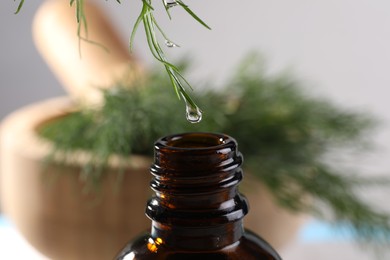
[197,141]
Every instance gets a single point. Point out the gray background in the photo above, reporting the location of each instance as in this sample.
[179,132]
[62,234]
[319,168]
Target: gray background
[339,48]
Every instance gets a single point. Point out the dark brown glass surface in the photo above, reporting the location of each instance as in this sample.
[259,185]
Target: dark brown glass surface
[197,210]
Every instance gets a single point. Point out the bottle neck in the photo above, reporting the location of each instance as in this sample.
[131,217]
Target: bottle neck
[200,238]
[197,204]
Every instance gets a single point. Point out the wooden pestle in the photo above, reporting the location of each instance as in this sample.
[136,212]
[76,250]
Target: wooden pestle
[82,67]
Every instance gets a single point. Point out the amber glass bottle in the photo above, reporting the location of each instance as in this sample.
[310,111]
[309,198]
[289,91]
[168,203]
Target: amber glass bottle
[197,210]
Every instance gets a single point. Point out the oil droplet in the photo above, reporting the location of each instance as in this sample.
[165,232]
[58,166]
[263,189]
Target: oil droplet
[170,3]
[171,44]
[193,114]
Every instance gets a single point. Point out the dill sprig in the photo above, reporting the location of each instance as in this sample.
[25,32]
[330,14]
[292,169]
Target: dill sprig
[178,81]
[150,25]
[81,21]
[284,135]
[82,26]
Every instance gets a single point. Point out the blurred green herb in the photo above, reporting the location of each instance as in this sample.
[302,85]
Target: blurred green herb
[284,135]
[19,6]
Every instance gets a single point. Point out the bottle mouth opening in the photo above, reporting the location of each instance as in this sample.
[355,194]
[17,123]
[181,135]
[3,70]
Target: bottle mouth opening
[195,141]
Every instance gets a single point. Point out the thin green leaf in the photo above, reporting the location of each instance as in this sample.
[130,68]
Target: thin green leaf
[19,6]
[172,70]
[167,10]
[162,32]
[189,11]
[182,77]
[148,4]
[94,43]
[134,31]
[173,83]
[151,39]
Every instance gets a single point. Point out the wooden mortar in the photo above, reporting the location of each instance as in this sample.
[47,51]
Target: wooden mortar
[47,201]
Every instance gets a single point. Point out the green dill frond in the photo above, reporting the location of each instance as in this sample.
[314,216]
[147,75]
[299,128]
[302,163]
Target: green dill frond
[178,81]
[146,17]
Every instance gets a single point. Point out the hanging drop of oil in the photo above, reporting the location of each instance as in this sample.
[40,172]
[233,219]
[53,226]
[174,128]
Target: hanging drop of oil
[193,114]
[171,44]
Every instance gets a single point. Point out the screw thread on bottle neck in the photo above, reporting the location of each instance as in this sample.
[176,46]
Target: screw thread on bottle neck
[196,177]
